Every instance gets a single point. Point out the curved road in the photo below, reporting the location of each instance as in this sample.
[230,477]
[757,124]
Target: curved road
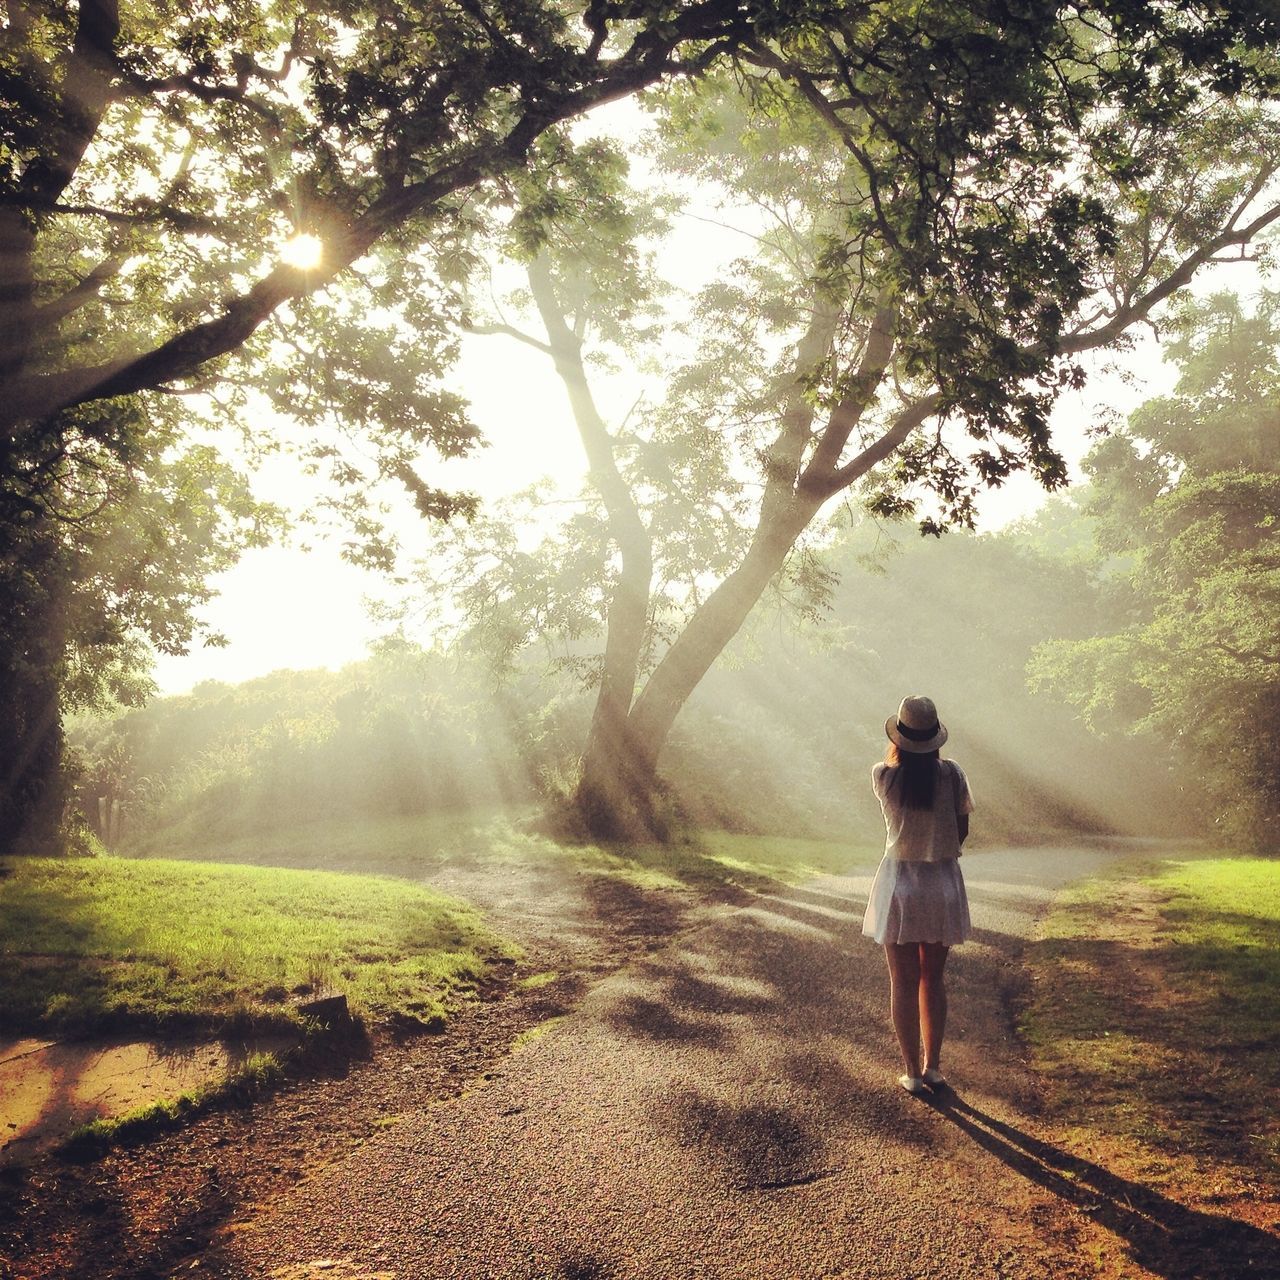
[727,1107]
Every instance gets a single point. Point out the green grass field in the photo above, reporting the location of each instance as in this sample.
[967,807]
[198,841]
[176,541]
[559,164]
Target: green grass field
[1154,1004]
[105,943]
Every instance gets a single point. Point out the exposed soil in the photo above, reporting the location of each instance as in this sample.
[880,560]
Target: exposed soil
[48,1088]
[142,1212]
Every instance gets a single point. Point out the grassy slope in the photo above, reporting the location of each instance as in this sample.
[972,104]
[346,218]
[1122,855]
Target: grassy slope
[102,942]
[109,942]
[1154,1008]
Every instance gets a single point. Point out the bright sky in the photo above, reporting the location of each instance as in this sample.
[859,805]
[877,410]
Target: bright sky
[289,607]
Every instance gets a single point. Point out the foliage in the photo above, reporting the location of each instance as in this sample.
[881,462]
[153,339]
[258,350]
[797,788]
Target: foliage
[408,731]
[923,304]
[113,570]
[1190,492]
[157,158]
[403,757]
[221,943]
[155,161]
[956,212]
[794,715]
[957,203]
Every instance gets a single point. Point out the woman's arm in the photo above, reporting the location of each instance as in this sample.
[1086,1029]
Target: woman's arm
[962,823]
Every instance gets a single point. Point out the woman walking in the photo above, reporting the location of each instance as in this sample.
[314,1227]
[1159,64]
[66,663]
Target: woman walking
[918,908]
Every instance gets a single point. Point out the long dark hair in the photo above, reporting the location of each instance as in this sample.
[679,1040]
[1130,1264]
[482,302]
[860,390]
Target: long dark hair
[917,774]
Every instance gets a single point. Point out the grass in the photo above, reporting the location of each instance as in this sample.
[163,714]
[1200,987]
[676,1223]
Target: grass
[390,846]
[105,943]
[414,847]
[764,861]
[536,1032]
[259,1072]
[536,980]
[1154,1003]
[110,943]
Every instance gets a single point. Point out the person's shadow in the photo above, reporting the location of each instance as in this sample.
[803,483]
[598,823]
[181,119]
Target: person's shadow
[1165,1237]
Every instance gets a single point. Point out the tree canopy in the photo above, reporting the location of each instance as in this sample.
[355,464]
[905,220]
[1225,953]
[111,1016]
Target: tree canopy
[1188,501]
[155,159]
[1001,187]
[954,220]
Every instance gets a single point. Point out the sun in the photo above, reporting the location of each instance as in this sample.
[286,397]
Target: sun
[302,251]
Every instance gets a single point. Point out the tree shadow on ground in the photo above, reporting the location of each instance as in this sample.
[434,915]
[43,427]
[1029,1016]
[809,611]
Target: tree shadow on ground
[1163,1236]
[792,1003]
[584,1266]
[1175,1042]
[768,1019]
[631,912]
[765,1147]
[656,1021]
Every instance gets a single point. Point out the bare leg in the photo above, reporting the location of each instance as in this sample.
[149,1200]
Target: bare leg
[933,1001]
[904,1001]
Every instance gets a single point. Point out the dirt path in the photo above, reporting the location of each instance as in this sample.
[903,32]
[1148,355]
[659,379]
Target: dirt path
[147,1212]
[726,1107]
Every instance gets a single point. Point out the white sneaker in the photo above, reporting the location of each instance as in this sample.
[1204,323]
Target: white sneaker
[934,1078]
[913,1084]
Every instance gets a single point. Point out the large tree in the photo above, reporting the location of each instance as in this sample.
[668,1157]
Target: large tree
[967,200]
[154,160]
[155,157]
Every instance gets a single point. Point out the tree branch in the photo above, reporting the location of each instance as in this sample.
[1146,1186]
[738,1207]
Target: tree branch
[144,87]
[510,331]
[160,214]
[93,64]
[1248,655]
[848,412]
[822,105]
[53,313]
[25,396]
[782,459]
[905,422]
[911,416]
[1142,306]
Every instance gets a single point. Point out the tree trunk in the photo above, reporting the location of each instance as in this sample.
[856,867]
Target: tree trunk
[620,794]
[612,800]
[615,790]
[634,809]
[32,794]
[707,633]
[795,490]
[32,663]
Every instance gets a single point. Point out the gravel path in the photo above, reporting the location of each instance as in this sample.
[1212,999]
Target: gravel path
[726,1107]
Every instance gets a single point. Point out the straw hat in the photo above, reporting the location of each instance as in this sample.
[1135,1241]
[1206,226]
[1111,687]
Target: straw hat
[916,727]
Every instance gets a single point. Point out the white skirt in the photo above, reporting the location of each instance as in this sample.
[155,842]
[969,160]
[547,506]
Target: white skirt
[918,902]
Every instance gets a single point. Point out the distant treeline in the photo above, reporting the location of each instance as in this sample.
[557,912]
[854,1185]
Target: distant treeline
[780,738]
